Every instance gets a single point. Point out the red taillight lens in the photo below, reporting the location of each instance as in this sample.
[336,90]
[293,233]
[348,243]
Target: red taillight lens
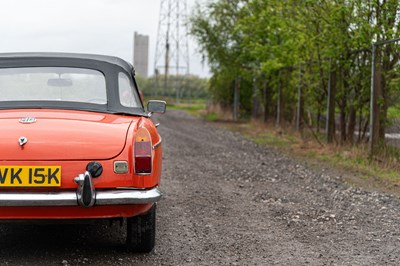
[142,150]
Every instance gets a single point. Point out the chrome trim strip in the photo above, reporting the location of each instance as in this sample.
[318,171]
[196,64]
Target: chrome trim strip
[103,197]
[14,199]
[157,144]
[128,196]
[143,174]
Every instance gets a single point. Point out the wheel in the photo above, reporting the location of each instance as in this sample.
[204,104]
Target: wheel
[141,232]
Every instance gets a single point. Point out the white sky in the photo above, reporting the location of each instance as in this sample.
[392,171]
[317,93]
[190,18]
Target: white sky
[84,26]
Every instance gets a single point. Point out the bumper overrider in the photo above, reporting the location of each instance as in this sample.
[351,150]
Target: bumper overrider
[85,196]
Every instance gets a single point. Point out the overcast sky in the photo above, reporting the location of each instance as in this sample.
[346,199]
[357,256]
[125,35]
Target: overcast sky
[84,26]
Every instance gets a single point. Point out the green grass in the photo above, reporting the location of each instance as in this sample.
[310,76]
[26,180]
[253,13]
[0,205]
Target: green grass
[211,117]
[381,173]
[273,140]
[394,112]
[356,161]
[193,107]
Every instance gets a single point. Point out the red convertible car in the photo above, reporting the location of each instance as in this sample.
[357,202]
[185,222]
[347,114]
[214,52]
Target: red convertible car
[77,143]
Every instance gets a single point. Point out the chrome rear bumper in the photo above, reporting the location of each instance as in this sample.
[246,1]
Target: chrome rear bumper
[70,198]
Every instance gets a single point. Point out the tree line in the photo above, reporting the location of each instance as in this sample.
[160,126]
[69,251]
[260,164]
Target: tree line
[180,87]
[293,58]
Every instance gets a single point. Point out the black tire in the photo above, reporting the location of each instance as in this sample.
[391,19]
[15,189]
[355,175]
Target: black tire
[141,232]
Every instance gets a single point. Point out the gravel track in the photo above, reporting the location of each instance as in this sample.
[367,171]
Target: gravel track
[228,201]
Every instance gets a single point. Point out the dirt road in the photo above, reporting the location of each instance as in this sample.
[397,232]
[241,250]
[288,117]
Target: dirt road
[228,201]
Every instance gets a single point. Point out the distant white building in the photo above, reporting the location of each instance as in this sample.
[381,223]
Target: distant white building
[141,54]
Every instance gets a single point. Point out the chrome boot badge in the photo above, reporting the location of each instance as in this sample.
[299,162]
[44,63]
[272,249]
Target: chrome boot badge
[22,141]
[27,120]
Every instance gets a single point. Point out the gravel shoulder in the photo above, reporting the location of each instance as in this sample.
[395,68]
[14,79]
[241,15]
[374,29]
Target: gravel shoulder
[228,201]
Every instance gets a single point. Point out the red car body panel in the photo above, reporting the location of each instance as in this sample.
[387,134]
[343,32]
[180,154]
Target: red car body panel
[73,138]
[90,136]
[63,135]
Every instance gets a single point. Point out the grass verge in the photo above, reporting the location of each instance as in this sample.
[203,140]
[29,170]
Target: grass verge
[195,107]
[381,173]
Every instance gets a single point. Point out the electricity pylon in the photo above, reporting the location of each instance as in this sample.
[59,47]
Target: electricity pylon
[172,48]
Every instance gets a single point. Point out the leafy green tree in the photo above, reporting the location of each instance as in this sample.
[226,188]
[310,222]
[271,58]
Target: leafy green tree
[267,42]
[190,87]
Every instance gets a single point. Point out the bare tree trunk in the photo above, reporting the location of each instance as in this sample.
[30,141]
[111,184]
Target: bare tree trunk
[383,109]
[255,99]
[319,112]
[300,103]
[330,123]
[352,124]
[236,99]
[386,67]
[365,128]
[279,103]
[343,105]
[265,94]
[360,118]
[343,119]
[376,124]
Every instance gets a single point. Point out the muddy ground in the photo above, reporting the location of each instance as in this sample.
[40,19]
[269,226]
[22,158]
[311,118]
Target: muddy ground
[228,201]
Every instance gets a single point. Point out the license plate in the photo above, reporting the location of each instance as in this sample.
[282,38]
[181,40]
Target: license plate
[30,176]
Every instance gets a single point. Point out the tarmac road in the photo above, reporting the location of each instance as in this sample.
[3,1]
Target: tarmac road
[228,201]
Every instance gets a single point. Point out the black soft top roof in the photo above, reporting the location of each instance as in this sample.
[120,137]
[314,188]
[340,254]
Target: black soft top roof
[105,58]
[110,66]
